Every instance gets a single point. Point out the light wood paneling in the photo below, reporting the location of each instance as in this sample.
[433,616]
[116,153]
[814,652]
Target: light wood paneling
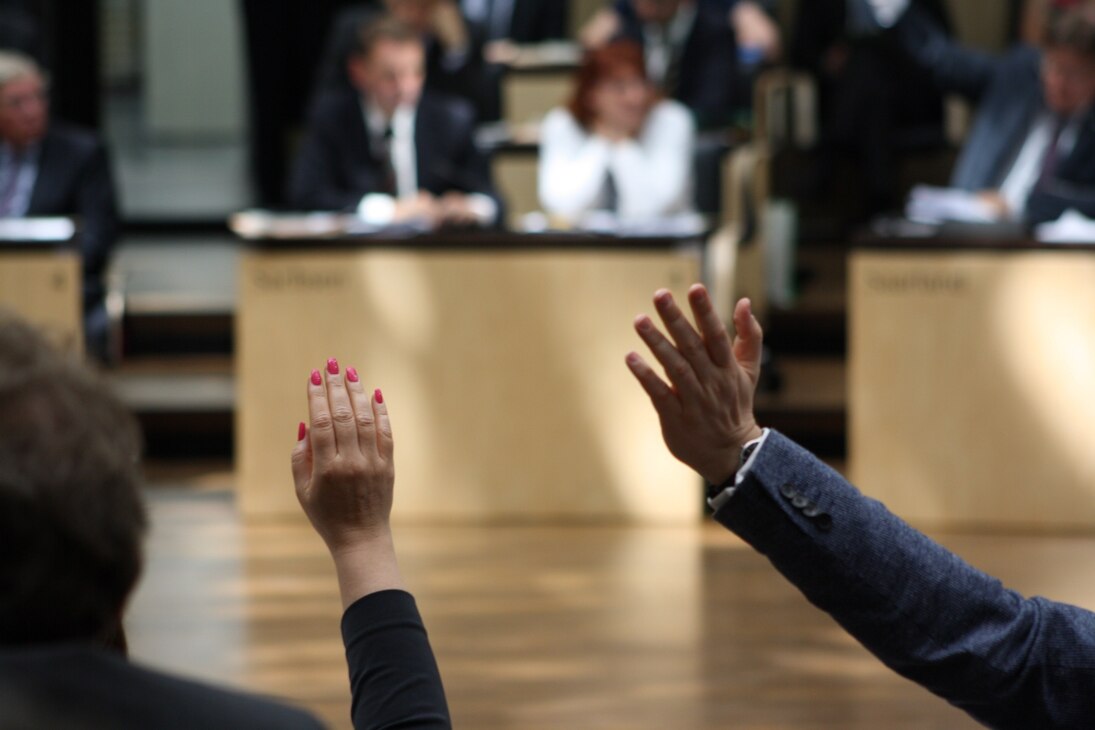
[515,174]
[45,288]
[503,368]
[971,385]
[528,96]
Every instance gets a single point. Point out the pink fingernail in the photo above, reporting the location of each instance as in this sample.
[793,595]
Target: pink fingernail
[301,431]
[378,396]
[317,379]
[351,374]
[332,366]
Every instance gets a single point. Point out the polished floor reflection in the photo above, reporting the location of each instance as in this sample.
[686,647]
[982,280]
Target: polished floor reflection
[549,627]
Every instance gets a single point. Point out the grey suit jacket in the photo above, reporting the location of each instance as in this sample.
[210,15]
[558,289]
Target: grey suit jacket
[74,179]
[1008,92]
[1008,661]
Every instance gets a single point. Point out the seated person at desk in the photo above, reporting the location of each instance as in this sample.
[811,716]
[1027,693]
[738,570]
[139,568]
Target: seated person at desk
[508,23]
[692,52]
[1030,154]
[616,147]
[389,151]
[72,518]
[1006,660]
[453,47]
[51,168]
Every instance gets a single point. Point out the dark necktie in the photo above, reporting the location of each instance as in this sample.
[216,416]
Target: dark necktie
[612,193]
[1053,153]
[387,168]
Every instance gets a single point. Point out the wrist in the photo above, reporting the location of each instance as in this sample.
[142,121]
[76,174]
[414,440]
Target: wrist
[359,540]
[727,467]
[366,566]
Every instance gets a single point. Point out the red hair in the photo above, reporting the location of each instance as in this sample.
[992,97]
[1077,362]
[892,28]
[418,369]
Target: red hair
[613,59]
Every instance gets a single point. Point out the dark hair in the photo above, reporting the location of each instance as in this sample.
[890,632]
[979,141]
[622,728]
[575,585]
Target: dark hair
[1073,29]
[374,29]
[71,515]
[599,64]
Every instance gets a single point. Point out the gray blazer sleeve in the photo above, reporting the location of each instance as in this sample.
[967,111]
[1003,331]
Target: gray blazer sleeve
[1008,661]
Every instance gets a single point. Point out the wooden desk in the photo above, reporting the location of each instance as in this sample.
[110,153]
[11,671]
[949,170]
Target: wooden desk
[40,278]
[501,356]
[540,78]
[972,382]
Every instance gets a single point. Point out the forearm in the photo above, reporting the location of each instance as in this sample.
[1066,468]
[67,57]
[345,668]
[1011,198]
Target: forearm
[953,67]
[1048,203]
[1008,661]
[394,678]
[368,566]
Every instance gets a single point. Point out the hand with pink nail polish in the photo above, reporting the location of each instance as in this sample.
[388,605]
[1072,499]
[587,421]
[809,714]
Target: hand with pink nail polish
[344,475]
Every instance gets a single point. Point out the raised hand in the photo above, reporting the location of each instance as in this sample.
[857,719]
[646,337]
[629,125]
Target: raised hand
[706,408]
[345,474]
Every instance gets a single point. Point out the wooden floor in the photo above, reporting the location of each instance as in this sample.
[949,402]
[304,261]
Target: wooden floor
[547,627]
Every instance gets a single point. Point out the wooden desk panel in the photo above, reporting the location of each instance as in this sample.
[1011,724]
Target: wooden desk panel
[504,371]
[528,97]
[972,385]
[43,286]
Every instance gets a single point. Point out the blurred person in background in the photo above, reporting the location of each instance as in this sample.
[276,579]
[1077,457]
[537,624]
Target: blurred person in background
[388,150]
[617,146]
[507,23]
[52,168]
[703,53]
[452,45]
[875,103]
[1030,153]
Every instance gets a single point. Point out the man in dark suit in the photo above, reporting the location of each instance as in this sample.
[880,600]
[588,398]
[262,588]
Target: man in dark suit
[49,168]
[386,149]
[691,54]
[518,21]
[1031,149]
[875,103]
[72,521]
[1008,661]
[703,53]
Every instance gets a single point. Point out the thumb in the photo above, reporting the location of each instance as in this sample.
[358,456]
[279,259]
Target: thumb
[301,459]
[749,340]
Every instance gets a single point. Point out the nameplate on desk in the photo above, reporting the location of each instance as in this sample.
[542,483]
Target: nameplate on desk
[938,282]
[293,279]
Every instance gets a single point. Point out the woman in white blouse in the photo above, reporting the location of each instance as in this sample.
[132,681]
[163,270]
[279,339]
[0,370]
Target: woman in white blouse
[616,146]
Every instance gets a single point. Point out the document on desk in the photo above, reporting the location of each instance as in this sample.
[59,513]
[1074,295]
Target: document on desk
[929,204]
[1071,227]
[37,230]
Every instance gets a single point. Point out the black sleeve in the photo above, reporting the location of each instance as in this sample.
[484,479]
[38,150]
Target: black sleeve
[1048,202]
[953,67]
[394,678]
